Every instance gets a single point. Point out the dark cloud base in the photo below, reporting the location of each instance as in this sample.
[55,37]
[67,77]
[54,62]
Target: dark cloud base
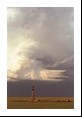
[43,88]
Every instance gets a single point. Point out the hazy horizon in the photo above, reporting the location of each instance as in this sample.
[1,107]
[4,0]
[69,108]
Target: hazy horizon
[23,88]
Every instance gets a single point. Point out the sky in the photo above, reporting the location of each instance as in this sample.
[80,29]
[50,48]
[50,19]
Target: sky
[40,43]
[23,88]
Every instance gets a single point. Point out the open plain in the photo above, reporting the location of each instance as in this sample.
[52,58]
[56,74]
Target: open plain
[40,103]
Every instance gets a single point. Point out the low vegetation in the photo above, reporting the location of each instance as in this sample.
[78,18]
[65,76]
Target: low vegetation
[40,103]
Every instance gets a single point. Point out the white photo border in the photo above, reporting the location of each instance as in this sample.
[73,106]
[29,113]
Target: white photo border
[77,57]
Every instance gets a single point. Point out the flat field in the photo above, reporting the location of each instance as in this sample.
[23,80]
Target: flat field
[40,103]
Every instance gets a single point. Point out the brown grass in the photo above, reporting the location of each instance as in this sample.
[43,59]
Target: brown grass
[43,103]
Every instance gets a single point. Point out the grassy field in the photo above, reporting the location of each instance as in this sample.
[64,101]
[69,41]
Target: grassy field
[43,103]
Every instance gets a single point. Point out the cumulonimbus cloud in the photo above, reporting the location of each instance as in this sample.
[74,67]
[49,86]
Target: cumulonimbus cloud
[39,39]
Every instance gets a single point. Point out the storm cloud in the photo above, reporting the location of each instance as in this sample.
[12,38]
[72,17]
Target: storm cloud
[40,40]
